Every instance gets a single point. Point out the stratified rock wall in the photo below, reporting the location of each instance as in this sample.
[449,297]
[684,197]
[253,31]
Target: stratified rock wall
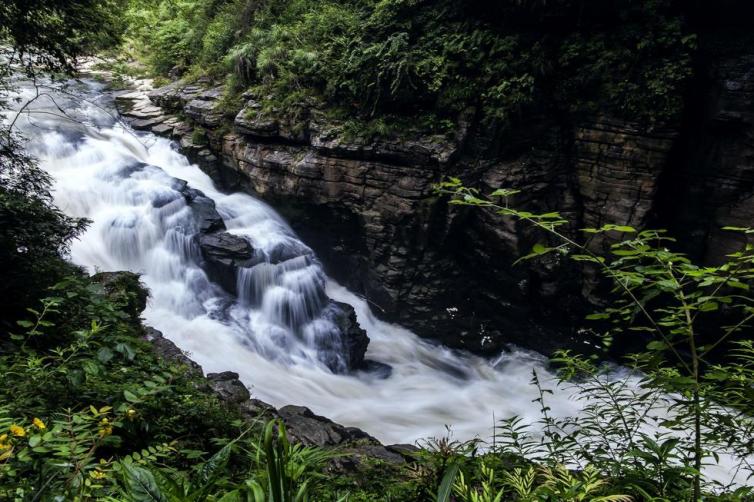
[369,211]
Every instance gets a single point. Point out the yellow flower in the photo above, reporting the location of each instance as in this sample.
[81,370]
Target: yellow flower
[131,413]
[3,438]
[95,474]
[17,430]
[39,424]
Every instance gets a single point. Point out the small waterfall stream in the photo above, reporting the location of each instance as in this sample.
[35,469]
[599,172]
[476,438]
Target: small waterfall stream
[278,333]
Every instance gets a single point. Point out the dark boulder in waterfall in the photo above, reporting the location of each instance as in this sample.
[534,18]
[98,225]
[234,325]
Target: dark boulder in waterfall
[203,208]
[223,255]
[355,339]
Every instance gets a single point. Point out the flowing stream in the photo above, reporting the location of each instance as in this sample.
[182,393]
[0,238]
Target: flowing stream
[129,184]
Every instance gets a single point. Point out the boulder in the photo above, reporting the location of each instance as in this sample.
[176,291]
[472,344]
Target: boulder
[255,409]
[314,430]
[228,387]
[206,216]
[205,112]
[223,254]
[305,427]
[355,339]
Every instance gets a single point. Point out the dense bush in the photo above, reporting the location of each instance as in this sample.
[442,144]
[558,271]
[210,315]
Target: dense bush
[432,59]
[33,233]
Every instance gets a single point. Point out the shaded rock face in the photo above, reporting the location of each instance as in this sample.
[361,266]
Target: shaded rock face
[368,209]
[711,181]
[169,351]
[355,339]
[369,212]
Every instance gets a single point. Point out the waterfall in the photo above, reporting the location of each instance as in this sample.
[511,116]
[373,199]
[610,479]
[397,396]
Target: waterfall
[277,331]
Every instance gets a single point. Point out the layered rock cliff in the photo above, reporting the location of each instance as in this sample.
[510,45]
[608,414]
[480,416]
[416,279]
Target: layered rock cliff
[368,209]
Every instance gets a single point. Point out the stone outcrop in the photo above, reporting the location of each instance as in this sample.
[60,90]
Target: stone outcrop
[367,206]
[301,423]
[228,387]
[355,339]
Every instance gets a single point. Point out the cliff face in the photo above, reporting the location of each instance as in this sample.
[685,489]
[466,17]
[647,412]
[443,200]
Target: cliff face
[368,208]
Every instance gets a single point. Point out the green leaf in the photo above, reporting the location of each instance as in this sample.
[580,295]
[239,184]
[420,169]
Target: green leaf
[504,192]
[657,345]
[141,484]
[126,350]
[130,396]
[104,355]
[739,285]
[596,317]
[446,486]
[708,307]
[234,496]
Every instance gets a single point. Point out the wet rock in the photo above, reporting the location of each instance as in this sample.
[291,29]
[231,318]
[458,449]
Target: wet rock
[407,451]
[256,409]
[167,350]
[287,251]
[228,387]
[147,123]
[355,339]
[225,248]
[223,254]
[309,429]
[314,430]
[205,214]
[163,129]
[376,369]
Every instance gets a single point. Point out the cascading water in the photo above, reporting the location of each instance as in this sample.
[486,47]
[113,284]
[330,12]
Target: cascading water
[278,331]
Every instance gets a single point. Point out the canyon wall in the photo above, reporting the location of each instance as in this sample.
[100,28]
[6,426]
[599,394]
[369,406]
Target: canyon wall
[368,208]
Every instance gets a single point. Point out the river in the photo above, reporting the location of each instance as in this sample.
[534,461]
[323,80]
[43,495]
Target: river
[129,185]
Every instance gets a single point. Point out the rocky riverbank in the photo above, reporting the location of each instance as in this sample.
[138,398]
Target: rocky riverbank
[301,423]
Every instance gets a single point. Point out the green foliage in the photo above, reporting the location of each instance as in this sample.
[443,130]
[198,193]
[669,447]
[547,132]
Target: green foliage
[393,59]
[33,233]
[691,385]
[85,390]
[54,33]
[289,472]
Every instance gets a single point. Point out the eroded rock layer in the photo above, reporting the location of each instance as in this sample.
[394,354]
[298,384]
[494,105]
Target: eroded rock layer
[368,208]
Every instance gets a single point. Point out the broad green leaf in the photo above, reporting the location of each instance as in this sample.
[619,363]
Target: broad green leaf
[141,485]
[446,486]
[130,396]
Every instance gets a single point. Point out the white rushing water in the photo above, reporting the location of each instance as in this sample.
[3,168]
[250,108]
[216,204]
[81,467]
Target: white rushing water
[129,185]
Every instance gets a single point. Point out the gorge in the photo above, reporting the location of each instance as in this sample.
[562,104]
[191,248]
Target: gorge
[420,250]
[153,212]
